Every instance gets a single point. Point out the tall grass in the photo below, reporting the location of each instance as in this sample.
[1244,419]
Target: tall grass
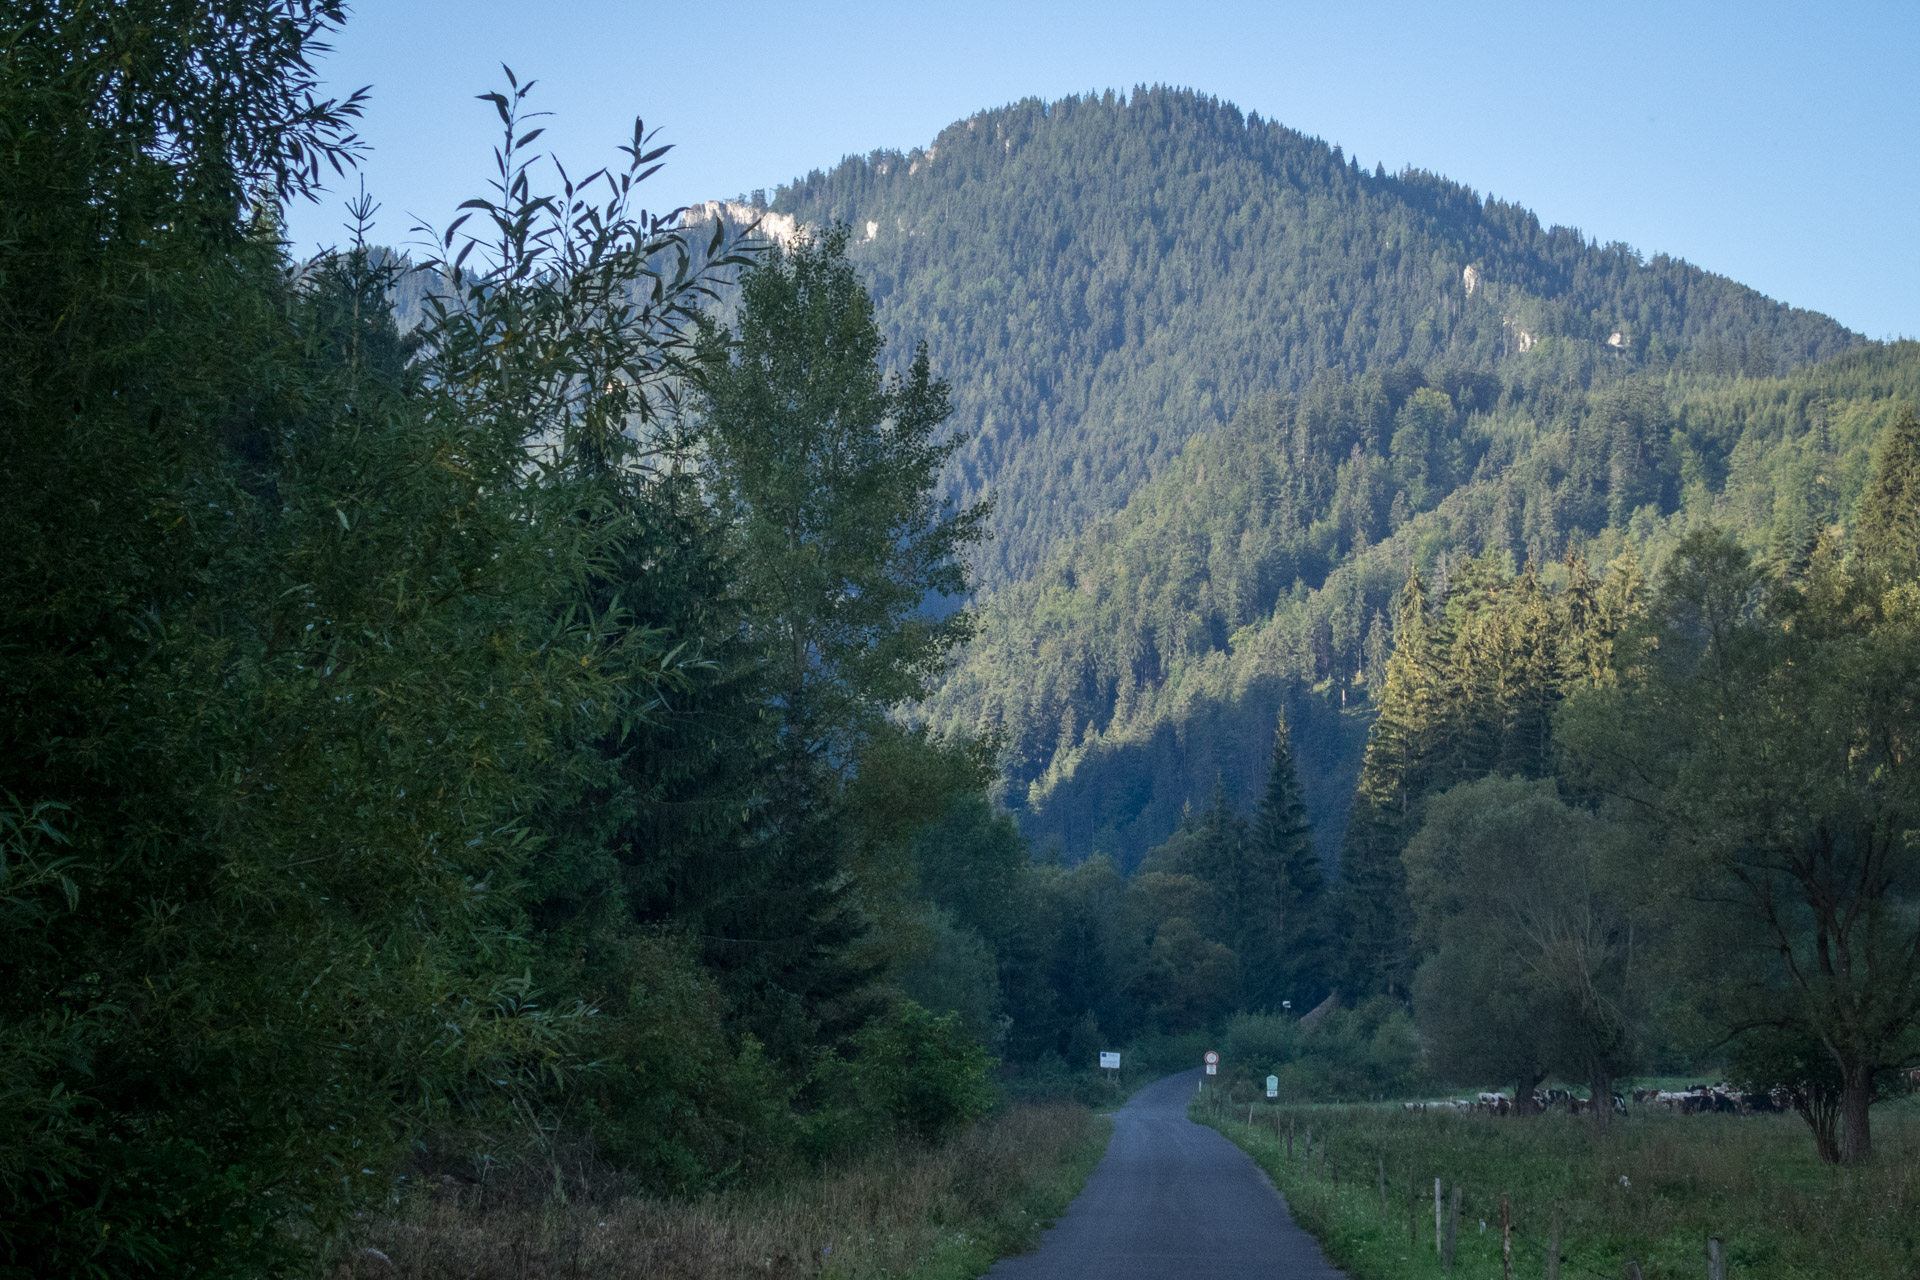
[934,1213]
[1651,1190]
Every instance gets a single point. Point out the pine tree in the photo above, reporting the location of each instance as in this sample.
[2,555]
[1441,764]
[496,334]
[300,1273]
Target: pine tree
[1889,518]
[1283,856]
[1376,948]
[1218,854]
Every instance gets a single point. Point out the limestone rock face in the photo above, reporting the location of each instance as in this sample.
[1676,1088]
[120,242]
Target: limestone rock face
[1470,278]
[781,228]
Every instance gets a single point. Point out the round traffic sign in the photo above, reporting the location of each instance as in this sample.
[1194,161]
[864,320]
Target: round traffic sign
[1212,1058]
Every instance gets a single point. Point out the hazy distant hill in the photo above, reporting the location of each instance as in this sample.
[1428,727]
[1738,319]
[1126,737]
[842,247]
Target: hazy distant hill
[1103,277]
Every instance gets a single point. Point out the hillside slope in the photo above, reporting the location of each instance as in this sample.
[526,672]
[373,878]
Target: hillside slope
[1101,278]
[1151,652]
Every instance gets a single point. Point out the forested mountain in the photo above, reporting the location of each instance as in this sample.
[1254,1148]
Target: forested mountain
[483,716]
[1149,654]
[1102,278]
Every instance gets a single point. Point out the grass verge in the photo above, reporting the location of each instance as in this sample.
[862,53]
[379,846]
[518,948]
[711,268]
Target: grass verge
[928,1213]
[1650,1191]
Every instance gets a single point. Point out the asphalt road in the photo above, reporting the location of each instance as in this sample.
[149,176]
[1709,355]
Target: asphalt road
[1172,1199]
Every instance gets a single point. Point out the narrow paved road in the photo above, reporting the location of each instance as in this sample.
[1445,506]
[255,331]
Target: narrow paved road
[1172,1199]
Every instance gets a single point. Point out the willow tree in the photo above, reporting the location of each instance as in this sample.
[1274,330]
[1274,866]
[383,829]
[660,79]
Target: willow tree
[1768,741]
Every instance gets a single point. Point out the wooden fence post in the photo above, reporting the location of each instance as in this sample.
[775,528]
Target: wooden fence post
[1309,1147]
[1716,1259]
[1553,1247]
[1506,1238]
[1289,1138]
[1436,1215]
[1383,1186]
[1413,1214]
[1453,1231]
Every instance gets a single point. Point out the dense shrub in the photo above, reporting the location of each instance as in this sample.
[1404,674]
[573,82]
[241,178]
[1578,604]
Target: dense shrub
[1371,1051]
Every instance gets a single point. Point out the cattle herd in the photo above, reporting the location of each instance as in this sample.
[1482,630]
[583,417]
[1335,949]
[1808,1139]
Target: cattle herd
[1692,1100]
[1721,1098]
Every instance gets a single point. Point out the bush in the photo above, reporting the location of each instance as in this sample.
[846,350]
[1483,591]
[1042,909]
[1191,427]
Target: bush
[909,1073]
[1354,1054]
[1254,1039]
[926,1074]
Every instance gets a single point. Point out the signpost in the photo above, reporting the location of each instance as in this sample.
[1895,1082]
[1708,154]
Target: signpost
[1109,1061]
[1213,1063]
[1273,1086]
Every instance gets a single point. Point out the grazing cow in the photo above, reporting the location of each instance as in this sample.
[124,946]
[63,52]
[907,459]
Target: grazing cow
[1721,1098]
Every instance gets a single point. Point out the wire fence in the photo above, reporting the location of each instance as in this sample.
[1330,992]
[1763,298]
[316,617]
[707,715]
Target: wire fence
[1479,1198]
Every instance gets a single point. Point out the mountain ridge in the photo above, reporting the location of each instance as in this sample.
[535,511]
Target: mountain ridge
[1103,277]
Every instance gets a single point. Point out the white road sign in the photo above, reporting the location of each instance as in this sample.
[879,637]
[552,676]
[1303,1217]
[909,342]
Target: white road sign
[1273,1086]
[1110,1060]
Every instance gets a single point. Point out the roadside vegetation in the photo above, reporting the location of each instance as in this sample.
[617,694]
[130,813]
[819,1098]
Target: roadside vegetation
[913,1210]
[463,748]
[1649,1190]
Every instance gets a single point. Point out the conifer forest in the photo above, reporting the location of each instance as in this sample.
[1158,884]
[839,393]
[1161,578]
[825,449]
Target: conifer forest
[674,708]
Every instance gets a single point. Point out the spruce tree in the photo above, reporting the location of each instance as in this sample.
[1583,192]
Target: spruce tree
[1283,856]
[1376,950]
[1889,519]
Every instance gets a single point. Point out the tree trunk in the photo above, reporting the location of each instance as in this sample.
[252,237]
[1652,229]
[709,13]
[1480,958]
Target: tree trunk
[1856,1135]
[1601,1082]
[1523,1093]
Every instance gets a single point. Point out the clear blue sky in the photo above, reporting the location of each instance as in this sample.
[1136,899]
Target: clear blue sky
[1779,144]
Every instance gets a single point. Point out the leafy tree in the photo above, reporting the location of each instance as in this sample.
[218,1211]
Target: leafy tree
[822,470]
[1795,1062]
[973,863]
[1062,975]
[1468,694]
[826,470]
[1532,935]
[1767,745]
[922,1074]
[264,732]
